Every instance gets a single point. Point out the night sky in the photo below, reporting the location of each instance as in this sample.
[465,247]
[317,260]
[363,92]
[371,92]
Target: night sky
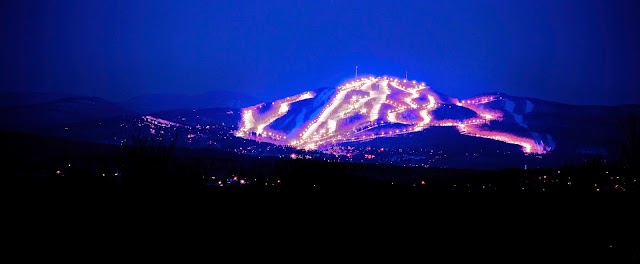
[573,51]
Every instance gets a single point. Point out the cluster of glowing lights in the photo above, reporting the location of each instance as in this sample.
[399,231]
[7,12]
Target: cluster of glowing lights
[528,145]
[362,108]
[253,121]
[160,122]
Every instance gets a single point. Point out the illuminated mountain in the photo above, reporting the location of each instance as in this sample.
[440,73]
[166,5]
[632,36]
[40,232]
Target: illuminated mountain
[374,107]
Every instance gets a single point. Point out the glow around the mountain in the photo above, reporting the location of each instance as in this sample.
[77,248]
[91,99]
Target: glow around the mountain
[367,108]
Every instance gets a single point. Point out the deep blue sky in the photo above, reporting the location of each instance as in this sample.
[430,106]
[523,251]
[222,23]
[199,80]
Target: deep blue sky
[573,51]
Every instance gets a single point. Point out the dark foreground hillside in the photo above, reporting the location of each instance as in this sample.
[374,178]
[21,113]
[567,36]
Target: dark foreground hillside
[155,165]
[595,227]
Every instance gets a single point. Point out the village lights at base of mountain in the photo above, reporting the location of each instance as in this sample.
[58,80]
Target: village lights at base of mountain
[367,108]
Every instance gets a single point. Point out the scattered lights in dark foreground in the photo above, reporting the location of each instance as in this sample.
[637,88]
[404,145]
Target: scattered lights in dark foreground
[608,179]
[360,105]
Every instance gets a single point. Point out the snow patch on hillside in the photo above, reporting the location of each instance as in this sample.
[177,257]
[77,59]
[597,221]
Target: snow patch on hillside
[529,107]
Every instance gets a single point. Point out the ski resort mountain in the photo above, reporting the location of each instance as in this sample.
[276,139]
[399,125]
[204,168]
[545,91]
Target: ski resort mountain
[373,107]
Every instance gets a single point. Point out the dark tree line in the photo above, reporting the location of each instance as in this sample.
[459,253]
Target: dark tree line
[630,145]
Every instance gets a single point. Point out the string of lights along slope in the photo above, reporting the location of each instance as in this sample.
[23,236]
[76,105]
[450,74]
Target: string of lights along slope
[373,107]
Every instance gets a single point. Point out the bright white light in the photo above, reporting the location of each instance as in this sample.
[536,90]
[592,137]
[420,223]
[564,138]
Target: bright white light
[425,118]
[432,102]
[283,108]
[260,128]
[392,117]
[331,124]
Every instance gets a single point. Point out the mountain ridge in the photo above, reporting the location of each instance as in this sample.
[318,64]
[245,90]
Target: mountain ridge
[150,103]
[567,130]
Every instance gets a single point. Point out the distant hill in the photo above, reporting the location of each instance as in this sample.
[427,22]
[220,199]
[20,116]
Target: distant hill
[571,129]
[12,99]
[33,117]
[164,102]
